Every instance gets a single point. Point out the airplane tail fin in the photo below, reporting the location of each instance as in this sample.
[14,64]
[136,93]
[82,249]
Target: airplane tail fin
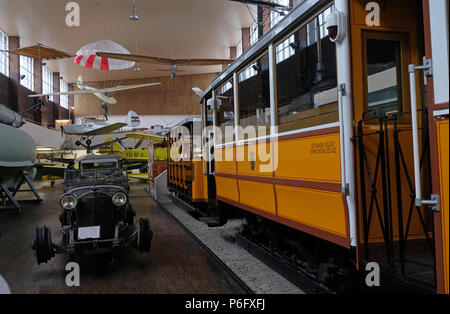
[133,119]
[80,82]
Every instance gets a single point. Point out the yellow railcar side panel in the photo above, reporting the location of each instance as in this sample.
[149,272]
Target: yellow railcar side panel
[254,159]
[319,209]
[257,195]
[311,159]
[225,161]
[197,185]
[443,143]
[227,188]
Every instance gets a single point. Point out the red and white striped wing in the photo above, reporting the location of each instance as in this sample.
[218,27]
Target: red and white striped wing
[87,58]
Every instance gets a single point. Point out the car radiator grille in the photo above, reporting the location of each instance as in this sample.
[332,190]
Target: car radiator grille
[97,210]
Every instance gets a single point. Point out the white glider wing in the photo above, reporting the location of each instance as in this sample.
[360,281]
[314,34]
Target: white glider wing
[97,91]
[109,129]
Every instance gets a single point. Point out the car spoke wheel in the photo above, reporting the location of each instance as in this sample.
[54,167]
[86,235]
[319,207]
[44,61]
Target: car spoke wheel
[144,235]
[43,245]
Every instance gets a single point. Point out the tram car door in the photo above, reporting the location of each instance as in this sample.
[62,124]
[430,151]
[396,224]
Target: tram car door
[399,142]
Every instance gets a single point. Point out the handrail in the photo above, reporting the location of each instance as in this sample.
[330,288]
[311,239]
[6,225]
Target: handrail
[427,67]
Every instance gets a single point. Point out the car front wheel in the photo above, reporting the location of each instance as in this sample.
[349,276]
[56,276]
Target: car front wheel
[144,235]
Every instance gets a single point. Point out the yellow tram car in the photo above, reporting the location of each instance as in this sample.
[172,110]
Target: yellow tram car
[186,177]
[350,162]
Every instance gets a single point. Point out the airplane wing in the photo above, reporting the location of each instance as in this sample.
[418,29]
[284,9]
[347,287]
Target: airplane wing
[97,91]
[140,176]
[99,131]
[144,136]
[157,60]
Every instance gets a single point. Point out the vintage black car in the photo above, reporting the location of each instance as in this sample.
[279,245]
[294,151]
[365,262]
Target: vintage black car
[97,216]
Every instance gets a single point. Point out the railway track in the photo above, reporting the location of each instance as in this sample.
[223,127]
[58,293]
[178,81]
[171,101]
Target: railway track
[277,263]
[205,248]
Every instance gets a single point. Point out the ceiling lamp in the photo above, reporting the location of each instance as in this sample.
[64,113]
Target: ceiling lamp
[133,16]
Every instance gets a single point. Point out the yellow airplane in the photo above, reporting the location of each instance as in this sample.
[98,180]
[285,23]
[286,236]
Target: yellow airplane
[136,156]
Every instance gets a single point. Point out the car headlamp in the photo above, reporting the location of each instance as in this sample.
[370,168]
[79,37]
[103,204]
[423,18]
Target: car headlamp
[119,199]
[69,201]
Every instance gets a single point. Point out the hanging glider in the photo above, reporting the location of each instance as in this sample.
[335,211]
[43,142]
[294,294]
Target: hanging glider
[39,51]
[86,57]
[266,4]
[174,63]
[104,94]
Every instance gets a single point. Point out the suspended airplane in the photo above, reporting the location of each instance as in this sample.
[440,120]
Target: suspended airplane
[282,9]
[92,128]
[104,94]
[174,63]
[17,158]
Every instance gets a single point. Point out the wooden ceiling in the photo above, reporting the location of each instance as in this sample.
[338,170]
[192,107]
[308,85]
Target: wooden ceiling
[175,29]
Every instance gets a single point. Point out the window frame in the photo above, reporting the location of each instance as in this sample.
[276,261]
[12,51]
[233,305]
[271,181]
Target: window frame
[254,33]
[235,106]
[402,73]
[243,69]
[64,99]
[27,69]
[47,74]
[275,16]
[282,39]
[4,56]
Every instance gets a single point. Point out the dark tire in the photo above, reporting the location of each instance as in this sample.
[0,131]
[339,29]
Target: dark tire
[43,245]
[144,235]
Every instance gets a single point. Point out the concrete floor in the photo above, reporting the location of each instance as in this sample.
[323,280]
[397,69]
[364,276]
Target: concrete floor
[176,264]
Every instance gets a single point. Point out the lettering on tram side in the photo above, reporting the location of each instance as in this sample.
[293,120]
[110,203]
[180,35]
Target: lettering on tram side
[321,148]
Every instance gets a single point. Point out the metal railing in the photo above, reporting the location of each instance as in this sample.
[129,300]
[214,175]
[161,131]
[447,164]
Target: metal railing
[379,174]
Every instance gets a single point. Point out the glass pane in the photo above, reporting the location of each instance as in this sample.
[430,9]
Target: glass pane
[306,77]
[254,94]
[225,111]
[383,76]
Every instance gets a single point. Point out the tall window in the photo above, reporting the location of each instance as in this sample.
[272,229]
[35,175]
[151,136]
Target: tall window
[4,56]
[64,99]
[239,49]
[253,33]
[276,17]
[285,49]
[27,72]
[47,82]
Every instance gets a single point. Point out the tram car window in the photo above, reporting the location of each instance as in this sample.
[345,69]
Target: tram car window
[225,111]
[306,77]
[254,94]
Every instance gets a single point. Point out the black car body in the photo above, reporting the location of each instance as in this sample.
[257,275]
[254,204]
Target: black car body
[97,216]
